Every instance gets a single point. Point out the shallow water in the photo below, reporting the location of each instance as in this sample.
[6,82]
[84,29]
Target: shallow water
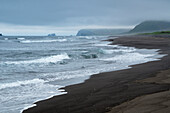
[34,68]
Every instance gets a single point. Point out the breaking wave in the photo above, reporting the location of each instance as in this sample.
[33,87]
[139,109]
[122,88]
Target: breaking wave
[130,57]
[45,60]
[43,41]
[21,83]
[21,38]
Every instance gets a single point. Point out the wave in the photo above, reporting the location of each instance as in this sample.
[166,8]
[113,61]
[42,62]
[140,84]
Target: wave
[124,50]
[104,51]
[87,37]
[119,49]
[89,56]
[50,59]
[43,41]
[5,38]
[68,74]
[130,57]
[21,83]
[21,38]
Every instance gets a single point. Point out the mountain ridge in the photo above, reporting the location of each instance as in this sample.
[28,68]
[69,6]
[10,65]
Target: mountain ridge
[151,26]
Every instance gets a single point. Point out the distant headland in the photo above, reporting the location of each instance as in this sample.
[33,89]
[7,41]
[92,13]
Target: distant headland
[151,26]
[143,27]
[100,32]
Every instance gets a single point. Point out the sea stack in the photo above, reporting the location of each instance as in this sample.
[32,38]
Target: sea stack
[52,34]
[0,34]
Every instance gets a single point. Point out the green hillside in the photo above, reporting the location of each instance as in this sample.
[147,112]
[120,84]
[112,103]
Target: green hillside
[157,33]
[151,26]
[101,32]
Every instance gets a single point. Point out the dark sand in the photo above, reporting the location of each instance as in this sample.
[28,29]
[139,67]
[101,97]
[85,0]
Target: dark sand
[103,91]
[153,103]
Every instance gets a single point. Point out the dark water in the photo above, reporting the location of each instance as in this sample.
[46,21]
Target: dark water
[33,68]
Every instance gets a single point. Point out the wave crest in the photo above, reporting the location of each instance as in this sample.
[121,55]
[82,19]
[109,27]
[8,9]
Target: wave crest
[20,83]
[130,57]
[50,59]
[43,41]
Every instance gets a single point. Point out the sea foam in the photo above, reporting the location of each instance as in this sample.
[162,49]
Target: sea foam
[19,83]
[5,38]
[130,57]
[43,41]
[21,38]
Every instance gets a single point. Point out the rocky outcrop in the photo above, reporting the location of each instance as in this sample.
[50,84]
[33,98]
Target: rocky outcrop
[52,34]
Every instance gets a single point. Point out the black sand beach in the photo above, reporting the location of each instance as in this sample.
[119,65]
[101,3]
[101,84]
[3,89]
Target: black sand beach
[103,91]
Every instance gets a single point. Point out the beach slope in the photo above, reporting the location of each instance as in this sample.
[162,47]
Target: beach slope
[102,92]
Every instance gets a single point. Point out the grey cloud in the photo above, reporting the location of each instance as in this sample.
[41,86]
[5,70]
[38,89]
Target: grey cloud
[82,12]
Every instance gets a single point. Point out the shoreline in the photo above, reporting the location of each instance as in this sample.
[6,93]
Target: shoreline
[115,87]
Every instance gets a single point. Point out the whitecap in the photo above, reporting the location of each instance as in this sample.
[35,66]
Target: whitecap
[5,38]
[104,51]
[87,37]
[19,83]
[21,38]
[62,40]
[43,41]
[46,60]
[105,45]
[130,57]
[68,74]
[121,49]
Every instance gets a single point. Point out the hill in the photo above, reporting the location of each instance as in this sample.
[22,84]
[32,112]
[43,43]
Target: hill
[157,33]
[101,32]
[151,26]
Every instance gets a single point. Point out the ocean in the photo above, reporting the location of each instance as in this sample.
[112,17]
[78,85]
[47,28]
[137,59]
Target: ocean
[33,68]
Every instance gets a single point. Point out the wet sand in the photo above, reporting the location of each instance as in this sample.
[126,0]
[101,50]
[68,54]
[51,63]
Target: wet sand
[102,92]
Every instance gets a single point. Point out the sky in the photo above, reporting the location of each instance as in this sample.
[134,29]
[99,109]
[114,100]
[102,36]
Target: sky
[66,17]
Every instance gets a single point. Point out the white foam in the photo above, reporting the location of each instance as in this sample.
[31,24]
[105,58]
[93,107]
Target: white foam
[124,50]
[105,45]
[5,38]
[87,37]
[119,49]
[19,83]
[46,60]
[61,40]
[61,92]
[130,57]
[27,107]
[43,41]
[21,38]
[68,74]
[104,51]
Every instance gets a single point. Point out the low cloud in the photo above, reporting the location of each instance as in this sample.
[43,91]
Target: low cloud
[10,29]
[77,13]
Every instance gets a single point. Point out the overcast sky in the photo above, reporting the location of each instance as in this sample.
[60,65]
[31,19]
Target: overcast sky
[64,17]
